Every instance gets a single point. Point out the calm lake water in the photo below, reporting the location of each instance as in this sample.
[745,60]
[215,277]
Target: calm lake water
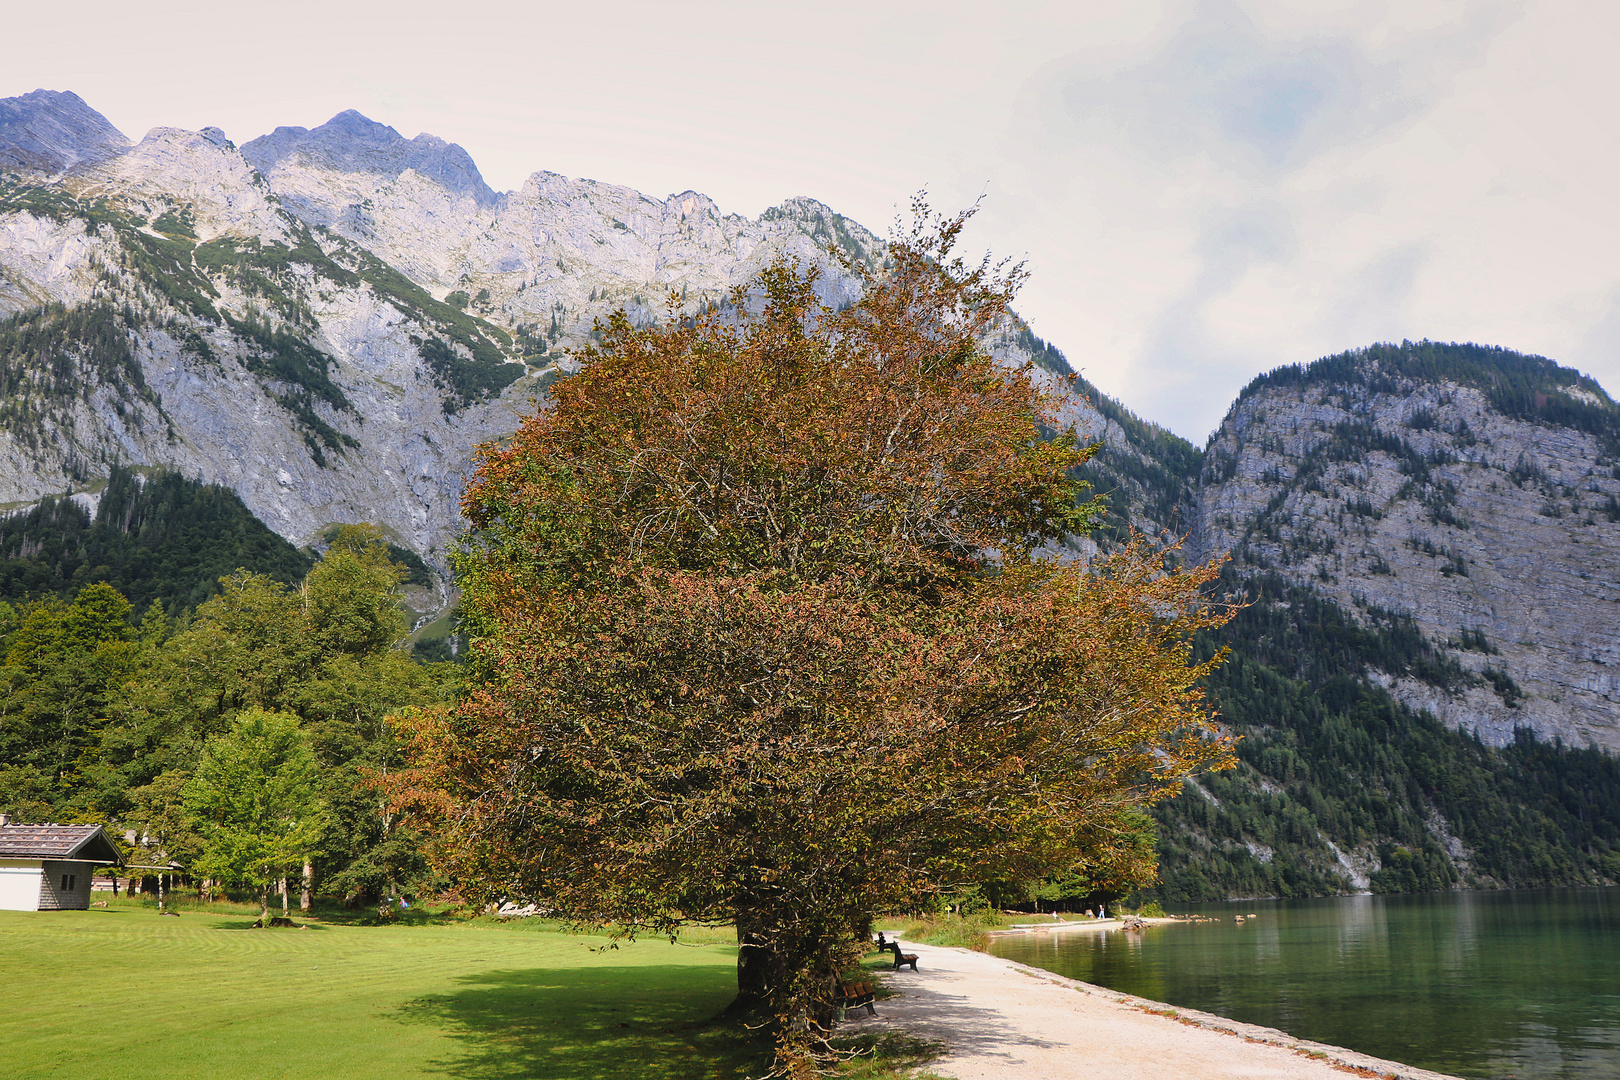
[1522,984]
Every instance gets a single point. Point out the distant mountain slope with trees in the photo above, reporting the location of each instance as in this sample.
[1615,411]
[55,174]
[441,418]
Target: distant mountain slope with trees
[157,537]
[1403,726]
[1340,785]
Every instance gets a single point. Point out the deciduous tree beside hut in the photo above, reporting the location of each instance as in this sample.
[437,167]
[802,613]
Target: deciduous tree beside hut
[761,634]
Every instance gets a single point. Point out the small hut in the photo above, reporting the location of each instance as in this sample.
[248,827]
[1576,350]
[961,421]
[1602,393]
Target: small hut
[48,867]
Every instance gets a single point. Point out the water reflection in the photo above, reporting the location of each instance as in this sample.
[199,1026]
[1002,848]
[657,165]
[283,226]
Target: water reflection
[1522,985]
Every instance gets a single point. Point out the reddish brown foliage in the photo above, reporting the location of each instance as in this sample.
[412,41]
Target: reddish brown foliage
[759,636]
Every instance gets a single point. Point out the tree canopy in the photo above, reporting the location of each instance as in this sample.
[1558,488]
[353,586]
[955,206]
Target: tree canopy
[254,798]
[761,633]
[102,720]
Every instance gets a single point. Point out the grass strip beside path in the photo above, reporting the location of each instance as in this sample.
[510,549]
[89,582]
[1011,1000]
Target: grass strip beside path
[200,996]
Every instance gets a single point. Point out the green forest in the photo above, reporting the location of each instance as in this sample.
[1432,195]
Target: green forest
[131,666]
[1327,756]
[161,537]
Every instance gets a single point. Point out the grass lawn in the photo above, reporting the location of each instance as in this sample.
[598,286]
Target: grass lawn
[129,992]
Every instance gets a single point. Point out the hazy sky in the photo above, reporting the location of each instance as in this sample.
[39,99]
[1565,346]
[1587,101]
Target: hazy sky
[1203,190]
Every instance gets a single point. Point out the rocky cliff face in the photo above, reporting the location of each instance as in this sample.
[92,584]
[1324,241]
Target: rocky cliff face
[326,321]
[546,260]
[165,310]
[48,132]
[1471,489]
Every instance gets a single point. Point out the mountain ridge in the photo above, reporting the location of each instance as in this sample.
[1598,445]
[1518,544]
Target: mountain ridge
[1470,488]
[52,131]
[327,322]
[332,345]
[351,142]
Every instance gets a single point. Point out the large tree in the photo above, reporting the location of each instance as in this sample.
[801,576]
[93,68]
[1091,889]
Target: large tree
[253,798]
[761,633]
[63,668]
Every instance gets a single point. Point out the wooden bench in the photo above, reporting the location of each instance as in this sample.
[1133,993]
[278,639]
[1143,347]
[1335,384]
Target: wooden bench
[853,995]
[902,958]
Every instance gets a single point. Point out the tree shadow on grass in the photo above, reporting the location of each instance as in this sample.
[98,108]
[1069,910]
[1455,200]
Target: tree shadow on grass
[592,1024]
[335,914]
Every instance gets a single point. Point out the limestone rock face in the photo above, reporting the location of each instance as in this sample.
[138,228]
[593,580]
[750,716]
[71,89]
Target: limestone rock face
[249,351]
[1485,512]
[351,143]
[329,321]
[198,174]
[549,258]
[49,131]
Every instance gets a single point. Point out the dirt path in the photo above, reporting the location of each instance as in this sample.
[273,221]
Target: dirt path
[1004,1021]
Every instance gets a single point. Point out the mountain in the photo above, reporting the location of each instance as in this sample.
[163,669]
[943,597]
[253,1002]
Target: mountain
[48,132]
[329,321]
[351,144]
[325,323]
[1474,490]
[1424,679]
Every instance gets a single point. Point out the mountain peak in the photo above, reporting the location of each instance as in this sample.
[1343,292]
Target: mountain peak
[353,142]
[52,131]
[354,122]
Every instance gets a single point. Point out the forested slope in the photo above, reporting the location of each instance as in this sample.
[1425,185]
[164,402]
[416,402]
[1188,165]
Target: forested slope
[161,537]
[1426,535]
[1340,786]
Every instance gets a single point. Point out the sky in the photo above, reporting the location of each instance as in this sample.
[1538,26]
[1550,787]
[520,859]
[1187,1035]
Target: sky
[1203,190]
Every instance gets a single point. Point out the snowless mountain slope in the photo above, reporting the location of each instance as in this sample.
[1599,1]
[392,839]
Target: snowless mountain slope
[50,131]
[1472,491]
[329,321]
[351,143]
[547,259]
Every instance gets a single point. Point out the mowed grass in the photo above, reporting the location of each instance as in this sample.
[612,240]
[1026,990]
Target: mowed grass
[201,996]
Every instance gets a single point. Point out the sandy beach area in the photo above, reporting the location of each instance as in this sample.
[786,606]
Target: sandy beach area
[1001,1020]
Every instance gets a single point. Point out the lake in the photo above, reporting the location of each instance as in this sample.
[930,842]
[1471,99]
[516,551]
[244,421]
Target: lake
[1520,984]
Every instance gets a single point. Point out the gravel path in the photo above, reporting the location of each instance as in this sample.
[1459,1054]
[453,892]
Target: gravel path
[1001,1020]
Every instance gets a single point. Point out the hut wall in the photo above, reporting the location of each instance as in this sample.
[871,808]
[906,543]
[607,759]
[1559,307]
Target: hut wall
[66,886]
[21,882]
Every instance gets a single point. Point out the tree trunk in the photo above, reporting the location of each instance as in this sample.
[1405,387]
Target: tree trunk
[761,971]
[306,896]
[264,906]
[283,898]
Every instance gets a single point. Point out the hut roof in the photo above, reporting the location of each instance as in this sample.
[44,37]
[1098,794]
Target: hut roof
[82,843]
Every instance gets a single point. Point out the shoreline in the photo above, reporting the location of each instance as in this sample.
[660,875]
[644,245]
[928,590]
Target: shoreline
[1002,1020]
[1113,922]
